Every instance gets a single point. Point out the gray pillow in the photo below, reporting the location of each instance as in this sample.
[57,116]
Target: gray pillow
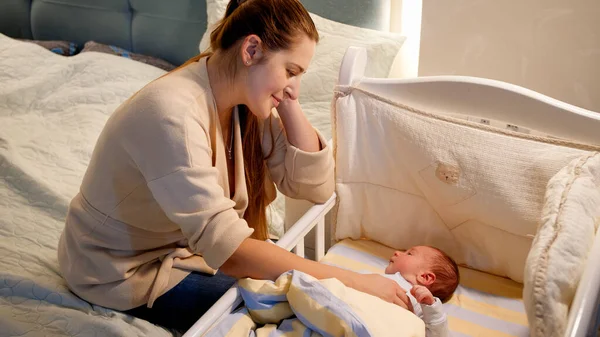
[103,48]
[64,48]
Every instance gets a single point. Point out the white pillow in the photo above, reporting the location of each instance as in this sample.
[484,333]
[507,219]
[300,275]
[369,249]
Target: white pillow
[215,11]
[555,263]
[317,85]
[335,38]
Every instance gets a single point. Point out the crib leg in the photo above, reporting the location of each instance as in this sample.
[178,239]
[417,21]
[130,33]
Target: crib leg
[299,249]
[320,240]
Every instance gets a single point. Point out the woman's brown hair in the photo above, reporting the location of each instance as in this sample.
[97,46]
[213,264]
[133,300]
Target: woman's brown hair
[278,23]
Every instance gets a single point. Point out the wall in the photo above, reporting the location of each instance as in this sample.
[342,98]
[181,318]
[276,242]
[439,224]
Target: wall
[405,18]
[550,46]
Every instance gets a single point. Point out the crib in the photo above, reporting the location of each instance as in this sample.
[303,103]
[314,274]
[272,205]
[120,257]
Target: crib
[447,205]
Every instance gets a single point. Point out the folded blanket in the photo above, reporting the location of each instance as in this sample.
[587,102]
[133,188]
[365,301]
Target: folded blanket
[297,304]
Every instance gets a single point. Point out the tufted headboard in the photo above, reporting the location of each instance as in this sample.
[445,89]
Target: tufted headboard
[165,29]
[374,14]
[168,29]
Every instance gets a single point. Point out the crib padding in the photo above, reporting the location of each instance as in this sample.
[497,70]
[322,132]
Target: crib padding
[569,222]
[406,177]
[483,304]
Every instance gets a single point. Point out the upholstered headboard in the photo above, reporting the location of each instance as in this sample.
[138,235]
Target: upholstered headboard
[168,29]
[374,14]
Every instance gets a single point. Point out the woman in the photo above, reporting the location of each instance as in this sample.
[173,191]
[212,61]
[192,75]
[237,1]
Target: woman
[182,173]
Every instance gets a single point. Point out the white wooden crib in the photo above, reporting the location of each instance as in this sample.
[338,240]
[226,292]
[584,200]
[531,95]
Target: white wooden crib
[511,111]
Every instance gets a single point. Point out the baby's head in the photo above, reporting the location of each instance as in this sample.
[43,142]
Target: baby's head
[429,267]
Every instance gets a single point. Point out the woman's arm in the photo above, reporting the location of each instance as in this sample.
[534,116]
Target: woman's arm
[262,260]
[299,160]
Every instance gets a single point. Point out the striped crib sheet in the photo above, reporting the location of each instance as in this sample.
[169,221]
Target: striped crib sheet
[483,304]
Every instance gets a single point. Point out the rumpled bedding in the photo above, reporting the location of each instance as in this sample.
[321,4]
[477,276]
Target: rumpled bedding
[297,304]
[52,109]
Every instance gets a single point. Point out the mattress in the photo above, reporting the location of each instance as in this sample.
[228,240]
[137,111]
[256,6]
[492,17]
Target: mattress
[483,304]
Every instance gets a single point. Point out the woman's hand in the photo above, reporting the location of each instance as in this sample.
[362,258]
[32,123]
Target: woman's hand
[298,129]
[289,107]
[384,288]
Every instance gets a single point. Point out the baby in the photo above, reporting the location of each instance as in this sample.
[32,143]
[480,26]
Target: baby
[432,277]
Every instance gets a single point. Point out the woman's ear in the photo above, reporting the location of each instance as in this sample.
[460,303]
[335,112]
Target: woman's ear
[252,51]
[426,278]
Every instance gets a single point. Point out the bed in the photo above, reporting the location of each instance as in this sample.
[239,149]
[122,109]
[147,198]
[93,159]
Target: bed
[56,91]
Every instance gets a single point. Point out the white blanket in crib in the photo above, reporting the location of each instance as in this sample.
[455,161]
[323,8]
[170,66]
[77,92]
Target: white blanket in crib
[297,304]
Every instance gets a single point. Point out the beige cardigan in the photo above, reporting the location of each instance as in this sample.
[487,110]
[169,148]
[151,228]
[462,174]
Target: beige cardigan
[154,202]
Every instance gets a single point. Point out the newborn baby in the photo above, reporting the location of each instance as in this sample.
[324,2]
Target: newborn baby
[432,277]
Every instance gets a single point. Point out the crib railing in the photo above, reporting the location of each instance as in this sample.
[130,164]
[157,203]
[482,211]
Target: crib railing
[292,240]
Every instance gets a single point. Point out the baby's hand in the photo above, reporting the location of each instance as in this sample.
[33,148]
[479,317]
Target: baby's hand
[422,294]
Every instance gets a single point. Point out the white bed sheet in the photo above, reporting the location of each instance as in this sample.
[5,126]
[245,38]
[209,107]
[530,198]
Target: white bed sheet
[52,109]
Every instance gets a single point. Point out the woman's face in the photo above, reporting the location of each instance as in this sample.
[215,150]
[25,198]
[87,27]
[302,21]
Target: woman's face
[278,76]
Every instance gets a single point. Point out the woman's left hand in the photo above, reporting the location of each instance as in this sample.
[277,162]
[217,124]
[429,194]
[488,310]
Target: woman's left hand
[288,108]
[298,129]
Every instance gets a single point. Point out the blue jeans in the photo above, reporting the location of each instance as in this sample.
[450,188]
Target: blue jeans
[180,307]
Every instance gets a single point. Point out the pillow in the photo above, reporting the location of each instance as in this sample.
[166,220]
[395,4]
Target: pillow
[335,38]
[150,60]
[556,261]
[64,48]
[215,11]
[317,85]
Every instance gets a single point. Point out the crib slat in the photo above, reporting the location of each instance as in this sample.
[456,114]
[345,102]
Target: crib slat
[320,240]
[299,249]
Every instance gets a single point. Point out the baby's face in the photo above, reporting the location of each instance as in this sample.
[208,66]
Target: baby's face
[412,262]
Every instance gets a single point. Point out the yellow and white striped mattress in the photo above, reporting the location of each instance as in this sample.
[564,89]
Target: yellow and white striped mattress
[483,305]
